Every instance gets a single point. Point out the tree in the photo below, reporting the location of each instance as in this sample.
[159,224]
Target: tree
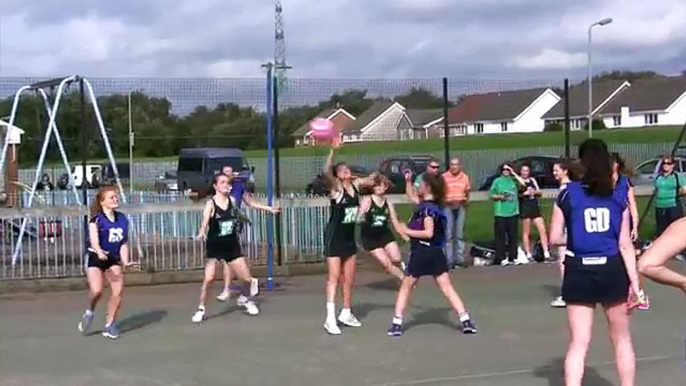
[419,98]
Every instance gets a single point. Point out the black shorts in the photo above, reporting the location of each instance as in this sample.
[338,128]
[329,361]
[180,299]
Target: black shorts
[591,284]
[370,243]
[224,250]
[427,261]
[339,243]
[95,262]
[530,210]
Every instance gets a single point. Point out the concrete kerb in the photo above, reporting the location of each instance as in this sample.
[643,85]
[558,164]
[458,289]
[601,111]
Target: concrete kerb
[137,278]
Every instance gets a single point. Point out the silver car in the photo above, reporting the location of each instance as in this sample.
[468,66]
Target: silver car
[648,169]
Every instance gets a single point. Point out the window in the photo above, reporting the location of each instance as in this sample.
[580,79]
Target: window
[647,168]
[216,164]
[410,133]
[394,167]
[537,166]
[478,128]
[617,121]
[190,164]
[650,119]
[503,127]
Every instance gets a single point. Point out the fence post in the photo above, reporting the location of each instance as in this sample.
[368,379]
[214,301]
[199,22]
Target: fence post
[446,127]
[270,177]
[84,161]
[567,127]
[277,169]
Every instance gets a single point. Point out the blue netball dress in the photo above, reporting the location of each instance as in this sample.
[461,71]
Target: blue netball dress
[622,187]
[594,269]
[111,236]
[427,256]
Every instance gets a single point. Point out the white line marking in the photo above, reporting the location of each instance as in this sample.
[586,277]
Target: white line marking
[510,372]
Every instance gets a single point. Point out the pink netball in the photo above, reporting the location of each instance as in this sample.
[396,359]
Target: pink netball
[322,128]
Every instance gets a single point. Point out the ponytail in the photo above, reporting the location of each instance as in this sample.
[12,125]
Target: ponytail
[597,163]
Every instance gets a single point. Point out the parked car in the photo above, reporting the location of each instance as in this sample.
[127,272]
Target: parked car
[648,169]
[197,167]
[167,182]
[541,170]
[318,185]
[393,168]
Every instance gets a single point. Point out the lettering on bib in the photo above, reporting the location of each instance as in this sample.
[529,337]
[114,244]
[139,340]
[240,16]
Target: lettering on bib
[597,220]
[378,220]
[226,227]
[115,235]
[350,215]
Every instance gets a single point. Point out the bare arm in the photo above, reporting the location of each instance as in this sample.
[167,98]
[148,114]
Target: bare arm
[124,253]
[365,181]
[537,189]
[331,180]
[365,204]
[252,203]
[626,249]
[397,226]
[557,225]
[94,239]
[426,233]
[409,188]
[633,208]
[206,215]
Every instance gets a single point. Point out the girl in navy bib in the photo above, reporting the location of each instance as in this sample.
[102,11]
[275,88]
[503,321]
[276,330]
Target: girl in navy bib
[108,251]
[427,236]
[600,262]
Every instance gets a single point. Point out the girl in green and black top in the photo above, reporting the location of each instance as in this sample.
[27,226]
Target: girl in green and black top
[340,247]
[378,215]
[669,187]
[219,231]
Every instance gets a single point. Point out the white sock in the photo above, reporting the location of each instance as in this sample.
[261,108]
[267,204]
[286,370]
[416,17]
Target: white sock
[89,312]
[201,307]
[398,320]
[330,310]
[464,316]
[345,312]
[528,255]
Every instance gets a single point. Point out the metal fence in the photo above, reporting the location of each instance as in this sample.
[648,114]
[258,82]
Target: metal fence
[163,235]
[297,172]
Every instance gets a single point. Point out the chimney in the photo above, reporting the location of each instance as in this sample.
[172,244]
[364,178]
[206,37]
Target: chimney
[624,115]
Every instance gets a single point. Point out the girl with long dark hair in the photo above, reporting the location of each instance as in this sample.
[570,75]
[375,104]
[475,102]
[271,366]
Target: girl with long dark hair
[426,232]
[219,230]
[600,266]
[108,253]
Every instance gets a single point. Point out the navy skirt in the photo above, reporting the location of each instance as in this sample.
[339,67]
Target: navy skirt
[589,283]
[427,260]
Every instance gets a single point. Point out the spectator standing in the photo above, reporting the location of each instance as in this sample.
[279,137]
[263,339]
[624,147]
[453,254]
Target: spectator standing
[433,167]
[506,212]
[669,187]
[457,195]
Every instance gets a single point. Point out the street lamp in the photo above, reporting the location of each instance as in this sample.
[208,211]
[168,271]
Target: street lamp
[601,23]
[131,171]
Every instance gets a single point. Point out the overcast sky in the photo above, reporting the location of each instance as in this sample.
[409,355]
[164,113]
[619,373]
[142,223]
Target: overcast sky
[503,39]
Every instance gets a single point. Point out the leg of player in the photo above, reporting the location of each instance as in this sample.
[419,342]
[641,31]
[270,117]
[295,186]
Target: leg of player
[334,275]
[348,279]
[558,302]
[384,259]
[542,233]
[526,237]
[210,267]
[116,278]
[620,335]
[653,261]
[393,251]
[240,266]
[401,301]
[95,286]
[444,284]
[226,293]
[580,319]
